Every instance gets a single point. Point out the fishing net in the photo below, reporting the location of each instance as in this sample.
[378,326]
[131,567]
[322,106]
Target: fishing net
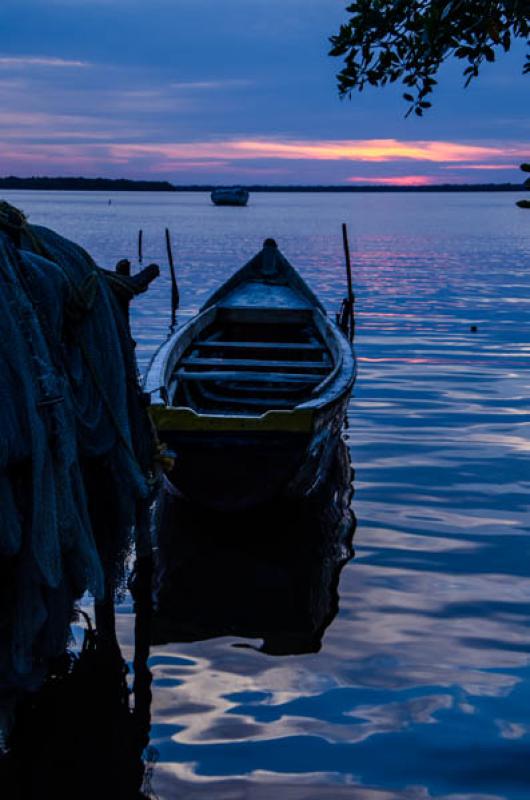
[75,442]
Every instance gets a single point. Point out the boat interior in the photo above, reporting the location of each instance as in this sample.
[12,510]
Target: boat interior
[252,364]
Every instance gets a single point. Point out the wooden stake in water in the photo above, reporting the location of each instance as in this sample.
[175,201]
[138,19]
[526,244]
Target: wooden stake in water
[140,245]
[349,305]
[175,297]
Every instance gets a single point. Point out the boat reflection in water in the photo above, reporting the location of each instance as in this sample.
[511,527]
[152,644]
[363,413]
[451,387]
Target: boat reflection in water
[270,574]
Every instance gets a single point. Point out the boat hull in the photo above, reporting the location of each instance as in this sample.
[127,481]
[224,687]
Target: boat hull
[230,202]
[230,197]
[236,469]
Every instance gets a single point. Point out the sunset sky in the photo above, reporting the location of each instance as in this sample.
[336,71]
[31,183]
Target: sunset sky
[233,91]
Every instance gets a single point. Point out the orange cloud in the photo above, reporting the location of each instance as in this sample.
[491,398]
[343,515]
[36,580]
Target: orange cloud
[361,150]
[368,150]
[243,155]
[372,150]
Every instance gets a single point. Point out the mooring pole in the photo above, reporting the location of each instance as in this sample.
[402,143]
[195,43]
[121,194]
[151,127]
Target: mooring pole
[143,608]
[140,245]
[123,267]
[351,295]
[175,297]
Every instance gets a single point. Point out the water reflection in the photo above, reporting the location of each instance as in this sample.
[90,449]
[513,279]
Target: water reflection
[84,733]
[270,575]
[435,605]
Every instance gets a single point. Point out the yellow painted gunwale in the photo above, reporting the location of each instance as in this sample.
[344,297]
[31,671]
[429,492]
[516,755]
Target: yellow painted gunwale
[174,418]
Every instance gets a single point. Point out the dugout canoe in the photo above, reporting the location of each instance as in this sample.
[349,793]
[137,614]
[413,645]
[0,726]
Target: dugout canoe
[251,394]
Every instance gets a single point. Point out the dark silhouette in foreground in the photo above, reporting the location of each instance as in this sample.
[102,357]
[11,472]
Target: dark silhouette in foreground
[84,734]
[271,574]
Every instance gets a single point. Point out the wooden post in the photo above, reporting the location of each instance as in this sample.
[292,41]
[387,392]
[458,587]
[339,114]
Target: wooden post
[140,245]
[123,267]
[351,295]
[175,298]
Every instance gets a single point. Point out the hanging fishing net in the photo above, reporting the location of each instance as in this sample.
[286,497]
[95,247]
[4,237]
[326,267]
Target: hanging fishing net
[75,442]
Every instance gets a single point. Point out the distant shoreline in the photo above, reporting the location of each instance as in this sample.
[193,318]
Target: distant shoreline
[125,185]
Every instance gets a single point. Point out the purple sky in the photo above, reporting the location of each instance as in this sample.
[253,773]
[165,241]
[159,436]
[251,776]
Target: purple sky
[225,91]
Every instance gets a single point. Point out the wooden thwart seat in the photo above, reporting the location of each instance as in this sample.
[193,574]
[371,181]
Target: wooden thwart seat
[249,377]
[321,367]
[228,345]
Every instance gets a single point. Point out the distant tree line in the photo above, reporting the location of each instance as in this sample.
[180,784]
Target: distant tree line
[123,185]
[86,184]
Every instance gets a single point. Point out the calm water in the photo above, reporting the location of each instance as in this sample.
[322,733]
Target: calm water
[422,686]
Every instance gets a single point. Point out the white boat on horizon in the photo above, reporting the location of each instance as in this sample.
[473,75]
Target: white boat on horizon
[230,196]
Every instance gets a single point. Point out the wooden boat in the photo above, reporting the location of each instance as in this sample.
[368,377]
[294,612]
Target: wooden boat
[251,394]
[230,196]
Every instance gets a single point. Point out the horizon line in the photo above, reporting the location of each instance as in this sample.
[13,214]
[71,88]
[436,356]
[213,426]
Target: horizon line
[335,187]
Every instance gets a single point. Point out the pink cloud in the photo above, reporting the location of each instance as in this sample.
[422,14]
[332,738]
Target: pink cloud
[234,155]
[399,180]
[361,150]
[168,166]
[50,129]
[214,165]
[482,166]
[243,150]
[372,150]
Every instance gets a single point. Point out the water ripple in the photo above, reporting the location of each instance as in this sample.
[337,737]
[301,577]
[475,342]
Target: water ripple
[421,690]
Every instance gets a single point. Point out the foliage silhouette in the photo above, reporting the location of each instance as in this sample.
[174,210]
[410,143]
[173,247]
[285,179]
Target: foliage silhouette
[387,40]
